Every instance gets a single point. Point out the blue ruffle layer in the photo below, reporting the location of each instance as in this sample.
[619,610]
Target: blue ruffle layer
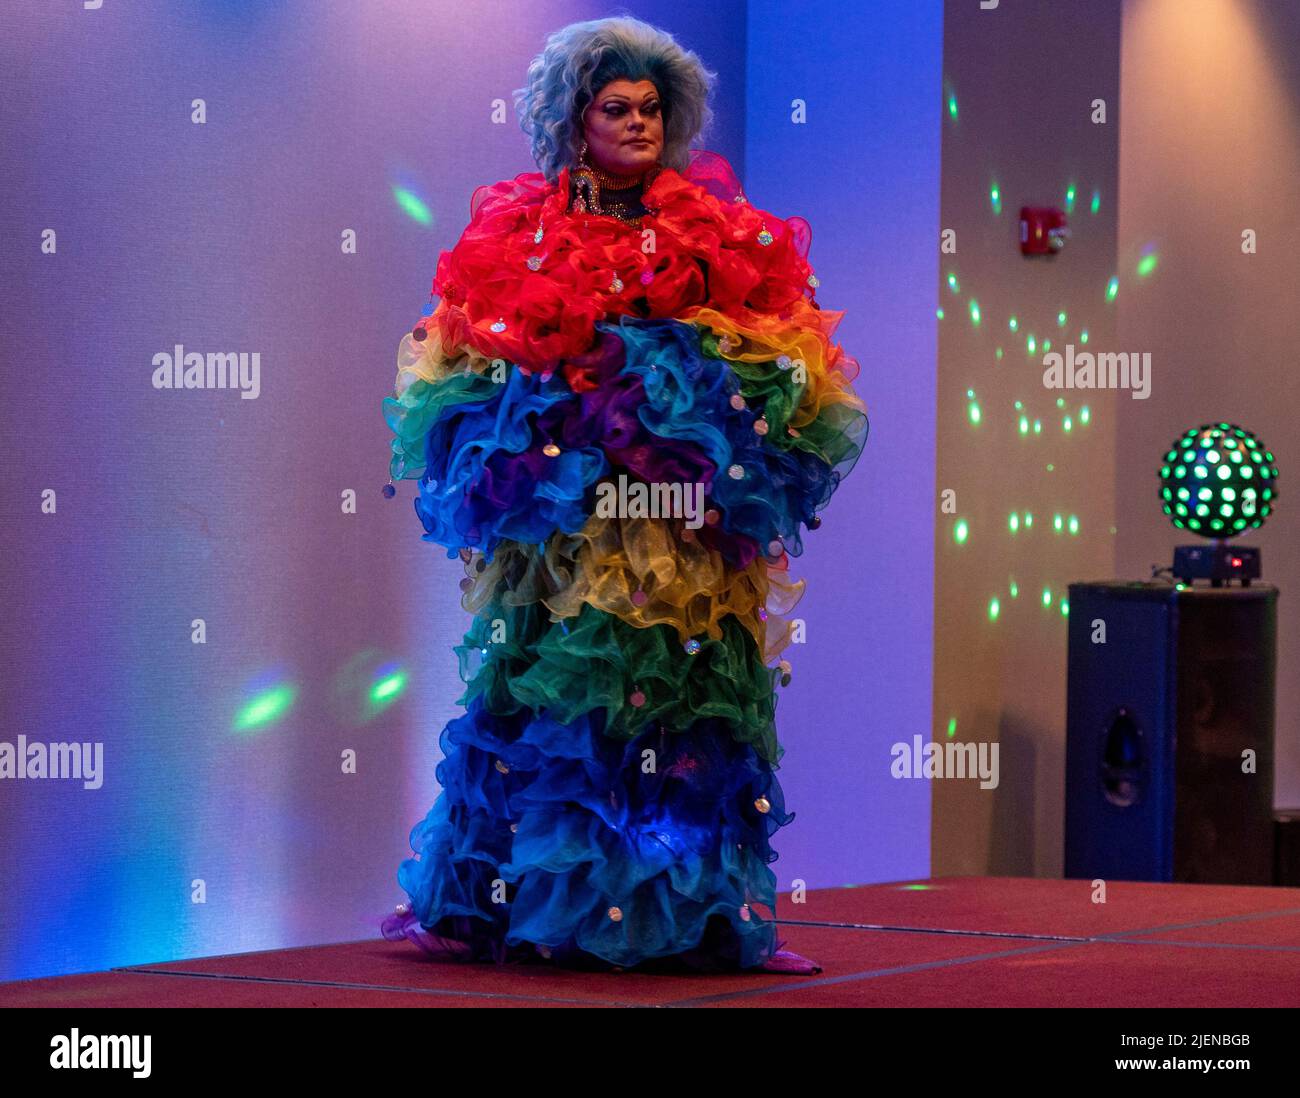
[486,477]
[542,828]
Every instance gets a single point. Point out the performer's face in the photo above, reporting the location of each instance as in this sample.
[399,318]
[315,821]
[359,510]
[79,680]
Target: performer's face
[624,127]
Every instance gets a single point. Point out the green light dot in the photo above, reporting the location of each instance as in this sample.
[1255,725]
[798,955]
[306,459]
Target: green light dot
[952,726]
[1013,324]
[1083,336]
[1047,345]
[952,107]
[1032,344]
[974,412]
[1067,424]
[1074,524]
[1147,264]
[975,312]
[939,313]
[1060,402]
[961,532]
[1024,425]
[1029,518]
[1047,596]
[953,285]
[1112,289]
[1015,589]
[1060,319]
[1014,522]
[994,608]
[1225,471]
[413,207]
[1069,199]
[388,687]
[1096,201]
[1084,414]
[1065,607]
[266,707]
[1057,523]
[1038,426]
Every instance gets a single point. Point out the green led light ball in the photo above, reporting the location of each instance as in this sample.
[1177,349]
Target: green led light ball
[1218,480]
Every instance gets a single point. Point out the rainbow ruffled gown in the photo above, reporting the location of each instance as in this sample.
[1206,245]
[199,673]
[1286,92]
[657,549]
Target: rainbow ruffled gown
[609,794]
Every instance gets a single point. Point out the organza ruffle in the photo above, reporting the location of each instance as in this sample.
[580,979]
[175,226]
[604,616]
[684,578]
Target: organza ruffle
[514,456]
[554,839]
[608,796]
[516,657]
[487,475]
[527,280]
[645,572]
[797,376]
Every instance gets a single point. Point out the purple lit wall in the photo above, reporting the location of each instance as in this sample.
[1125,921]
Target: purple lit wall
[274,770]
[862,164]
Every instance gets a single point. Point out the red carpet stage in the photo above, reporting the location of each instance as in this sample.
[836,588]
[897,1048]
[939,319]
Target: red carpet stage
[956,941]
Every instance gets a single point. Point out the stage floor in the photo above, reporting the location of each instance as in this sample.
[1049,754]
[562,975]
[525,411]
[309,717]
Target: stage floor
[953,941]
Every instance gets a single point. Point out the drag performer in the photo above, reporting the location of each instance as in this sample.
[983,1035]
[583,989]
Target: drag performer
[621,412]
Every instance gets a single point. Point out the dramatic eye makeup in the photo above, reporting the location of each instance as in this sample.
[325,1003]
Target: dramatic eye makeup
[616,107]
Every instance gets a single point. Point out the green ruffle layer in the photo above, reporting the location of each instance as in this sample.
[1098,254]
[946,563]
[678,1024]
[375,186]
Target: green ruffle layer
[515,657]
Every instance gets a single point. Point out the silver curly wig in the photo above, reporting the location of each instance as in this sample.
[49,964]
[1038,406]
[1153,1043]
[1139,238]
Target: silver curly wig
[580,59]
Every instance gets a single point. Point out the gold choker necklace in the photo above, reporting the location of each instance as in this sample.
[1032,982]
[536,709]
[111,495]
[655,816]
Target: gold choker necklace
[590,189]
[610,181]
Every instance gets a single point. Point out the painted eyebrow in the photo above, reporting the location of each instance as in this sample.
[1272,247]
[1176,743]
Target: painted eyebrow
[619,97]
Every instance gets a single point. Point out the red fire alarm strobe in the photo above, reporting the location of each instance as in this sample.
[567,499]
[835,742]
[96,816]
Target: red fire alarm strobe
[1043,230]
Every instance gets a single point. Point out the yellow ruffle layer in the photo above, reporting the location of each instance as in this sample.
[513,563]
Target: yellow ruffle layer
[685,584]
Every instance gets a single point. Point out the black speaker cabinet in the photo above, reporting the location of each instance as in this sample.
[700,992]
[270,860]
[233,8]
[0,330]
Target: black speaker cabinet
[1286,851]
[1169,736]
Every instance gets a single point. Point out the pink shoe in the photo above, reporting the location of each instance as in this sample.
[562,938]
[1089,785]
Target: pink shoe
[786,961]
[403,924]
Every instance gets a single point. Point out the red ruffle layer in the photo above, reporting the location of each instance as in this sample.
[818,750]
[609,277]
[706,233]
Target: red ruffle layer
[701,245]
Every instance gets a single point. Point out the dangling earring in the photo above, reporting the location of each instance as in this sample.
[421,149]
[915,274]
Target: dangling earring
[584,189]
